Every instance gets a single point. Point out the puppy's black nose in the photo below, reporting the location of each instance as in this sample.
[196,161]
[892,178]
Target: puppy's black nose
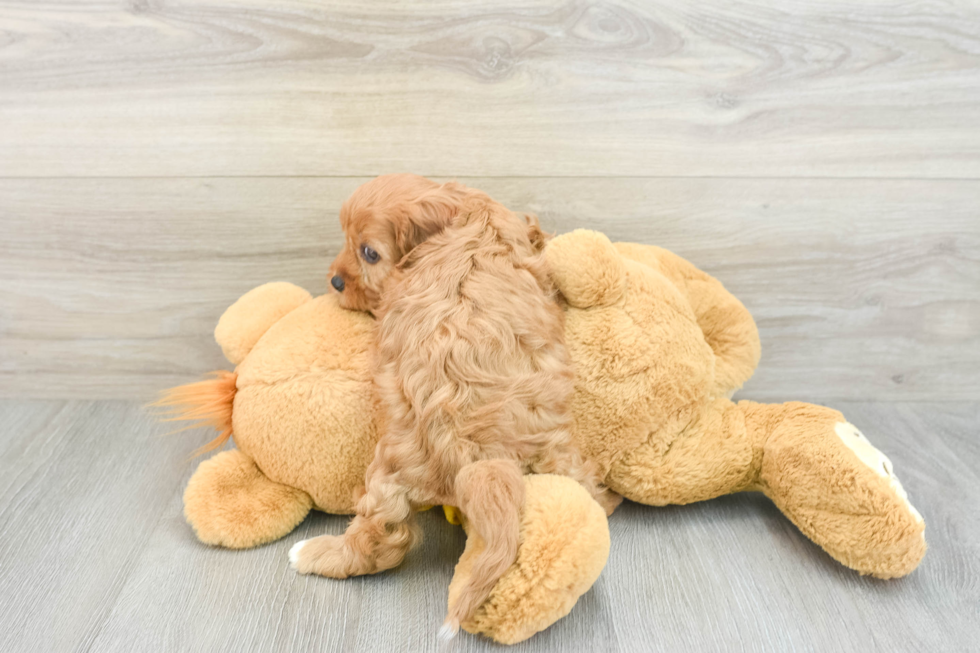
[337,283]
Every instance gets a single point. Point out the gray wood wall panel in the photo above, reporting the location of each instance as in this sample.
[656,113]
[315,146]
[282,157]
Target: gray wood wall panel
[528,88]
[861,288]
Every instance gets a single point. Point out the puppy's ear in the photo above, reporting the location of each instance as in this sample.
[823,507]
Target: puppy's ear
[535,234]
[422,219]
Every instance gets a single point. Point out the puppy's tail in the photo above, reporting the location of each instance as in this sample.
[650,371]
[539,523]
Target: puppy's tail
[205,403]
[490,494]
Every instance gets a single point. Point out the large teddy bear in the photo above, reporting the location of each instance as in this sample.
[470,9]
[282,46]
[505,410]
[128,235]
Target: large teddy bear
[658,346]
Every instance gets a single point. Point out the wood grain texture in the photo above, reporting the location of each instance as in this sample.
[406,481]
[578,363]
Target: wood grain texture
[862,289]
[248,87]
[158,158]
[95,555]
[748,580]
[82,487]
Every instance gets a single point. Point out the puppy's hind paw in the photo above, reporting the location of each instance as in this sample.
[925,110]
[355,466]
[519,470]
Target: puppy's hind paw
[294,554]
[609,501]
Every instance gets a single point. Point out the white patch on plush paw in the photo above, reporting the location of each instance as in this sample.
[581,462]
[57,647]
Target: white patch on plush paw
[448,630]
[877,461]
[294,552]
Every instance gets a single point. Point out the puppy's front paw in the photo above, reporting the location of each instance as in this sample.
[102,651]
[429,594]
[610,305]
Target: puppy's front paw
[325,556]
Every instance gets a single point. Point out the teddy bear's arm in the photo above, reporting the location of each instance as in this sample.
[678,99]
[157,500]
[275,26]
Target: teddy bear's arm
[728,326]
[245,321]
[229,502]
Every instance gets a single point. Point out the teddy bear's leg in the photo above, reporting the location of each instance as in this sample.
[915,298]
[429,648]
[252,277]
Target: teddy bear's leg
[707,454]
[229,502]
[564,545]
[836,487]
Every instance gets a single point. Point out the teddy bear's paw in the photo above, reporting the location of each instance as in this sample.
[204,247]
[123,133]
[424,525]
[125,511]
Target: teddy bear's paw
[876,460]
[324,556]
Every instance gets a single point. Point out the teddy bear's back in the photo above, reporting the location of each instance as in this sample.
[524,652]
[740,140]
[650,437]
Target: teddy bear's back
[641,364]
[727,326]
[304,409]
[656,343]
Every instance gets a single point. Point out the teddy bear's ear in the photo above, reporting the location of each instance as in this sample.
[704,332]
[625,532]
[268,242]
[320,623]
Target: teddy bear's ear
[245,321]
[587,268]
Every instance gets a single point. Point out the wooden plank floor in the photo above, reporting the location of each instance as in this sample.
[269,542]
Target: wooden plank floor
[95,555]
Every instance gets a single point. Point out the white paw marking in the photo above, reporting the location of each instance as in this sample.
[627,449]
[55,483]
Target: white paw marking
[294,552]
[448,630]
[877,461]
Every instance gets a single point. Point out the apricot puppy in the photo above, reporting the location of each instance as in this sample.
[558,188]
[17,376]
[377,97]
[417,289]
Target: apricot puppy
[471,369]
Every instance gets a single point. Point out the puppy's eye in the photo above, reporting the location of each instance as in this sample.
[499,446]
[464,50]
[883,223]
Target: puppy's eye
[369,254]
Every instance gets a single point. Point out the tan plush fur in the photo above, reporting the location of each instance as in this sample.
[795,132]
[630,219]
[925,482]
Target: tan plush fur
[472,371]
[236,506]
[303,413]
[664,431]
[657,347]
[564,547]
[243,324]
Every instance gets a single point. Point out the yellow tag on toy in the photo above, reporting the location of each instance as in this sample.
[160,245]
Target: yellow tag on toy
[452,515]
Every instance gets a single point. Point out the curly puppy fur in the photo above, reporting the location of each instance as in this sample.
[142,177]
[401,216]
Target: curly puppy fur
[471,368]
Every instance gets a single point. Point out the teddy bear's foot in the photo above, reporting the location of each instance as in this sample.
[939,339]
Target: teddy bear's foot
[878,462]
[229,502]
[837,488]
[564,546]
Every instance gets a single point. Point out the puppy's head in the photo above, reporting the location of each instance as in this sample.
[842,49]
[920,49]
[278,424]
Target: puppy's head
[383,221]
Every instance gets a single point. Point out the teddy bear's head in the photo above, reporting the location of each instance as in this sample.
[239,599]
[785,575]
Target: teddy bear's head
[304,409]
